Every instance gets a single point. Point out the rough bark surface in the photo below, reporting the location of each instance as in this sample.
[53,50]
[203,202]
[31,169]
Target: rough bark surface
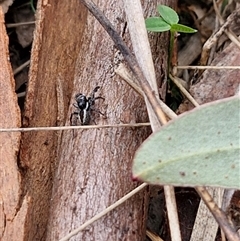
[219,84]
[10,180]
[57,41]
[95,165]
[64,178]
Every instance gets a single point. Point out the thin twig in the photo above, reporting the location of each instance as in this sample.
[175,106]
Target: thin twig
[21,67]
[122,71]
[231,35]
[153,236]
[14,25]
[140,42]
[183,90]
[61,128]
[227,196]
[212,40]
[207,67]
[218,214]
[21,94]
[104,212]
[214,47]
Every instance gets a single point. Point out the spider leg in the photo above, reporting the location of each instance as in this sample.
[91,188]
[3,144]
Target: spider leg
[93,92]
[98,111]
[75,105]
[96,89]
[74,114]
[92,98]
[99,97]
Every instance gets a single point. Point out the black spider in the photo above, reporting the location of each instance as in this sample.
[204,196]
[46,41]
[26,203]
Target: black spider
[84,106]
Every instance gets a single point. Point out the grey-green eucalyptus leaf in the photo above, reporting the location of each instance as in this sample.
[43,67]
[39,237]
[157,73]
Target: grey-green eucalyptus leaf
[200,148]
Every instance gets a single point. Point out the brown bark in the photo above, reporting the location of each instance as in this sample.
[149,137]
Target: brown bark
[57,41]
[85,171]
[94,170]
[10,181]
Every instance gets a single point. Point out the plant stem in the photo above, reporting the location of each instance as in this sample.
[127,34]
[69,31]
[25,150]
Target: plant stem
[172,33]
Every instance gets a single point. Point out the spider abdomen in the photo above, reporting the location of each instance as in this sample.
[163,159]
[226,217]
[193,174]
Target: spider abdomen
[85,117]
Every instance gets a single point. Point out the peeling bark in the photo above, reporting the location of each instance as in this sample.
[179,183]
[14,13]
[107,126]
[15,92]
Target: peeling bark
[10,179]
[57,40]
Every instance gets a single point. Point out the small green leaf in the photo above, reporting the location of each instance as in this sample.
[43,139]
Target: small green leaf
[182,28]
[168,14]
[200,148]
[156,24]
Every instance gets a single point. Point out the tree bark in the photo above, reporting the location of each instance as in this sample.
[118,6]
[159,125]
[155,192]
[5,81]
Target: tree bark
[70,176]
[10,179]
[94,167]
[57,41]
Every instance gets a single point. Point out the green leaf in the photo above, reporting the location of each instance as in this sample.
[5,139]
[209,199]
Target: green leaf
[156,24]
[200,148]
[168,14]
[182,28]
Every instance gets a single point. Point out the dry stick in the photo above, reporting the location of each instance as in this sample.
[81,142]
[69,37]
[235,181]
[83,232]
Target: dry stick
[122,71]
[212,40]
[205,225]
[214,47]
[128,57]
[183,90]
[21,67]
[207,67]
[22,94]
[227,196]
[153,236]
[231,35]
[142,51]
[140,42]
[14,25]
[218,214]
[62,128]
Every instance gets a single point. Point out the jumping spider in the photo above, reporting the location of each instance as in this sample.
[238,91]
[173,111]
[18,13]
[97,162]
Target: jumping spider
[84,107]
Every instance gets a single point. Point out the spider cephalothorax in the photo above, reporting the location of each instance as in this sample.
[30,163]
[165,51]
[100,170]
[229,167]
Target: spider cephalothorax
[84,106]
